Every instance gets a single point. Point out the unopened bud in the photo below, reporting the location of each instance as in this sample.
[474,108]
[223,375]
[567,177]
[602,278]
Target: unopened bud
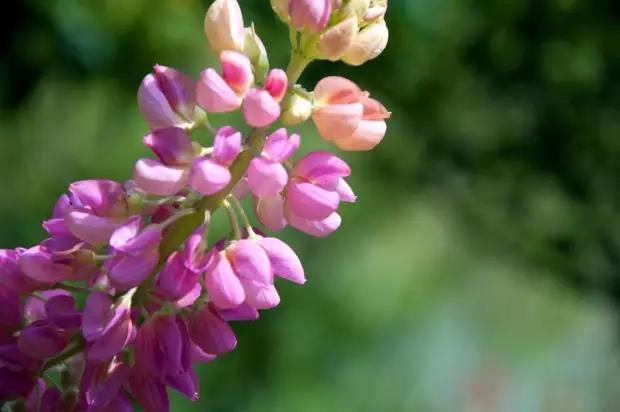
[224,26]
[312,15]
[296,108]
[355,8]
[376,10]
[337,39]
[280,7]
[256,52]
[368,44]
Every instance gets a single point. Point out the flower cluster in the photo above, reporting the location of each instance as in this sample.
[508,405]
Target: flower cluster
[128,293]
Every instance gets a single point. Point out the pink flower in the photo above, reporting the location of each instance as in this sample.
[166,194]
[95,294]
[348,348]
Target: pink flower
[98,208]
[266,176]
[346,115]
[260,109]
[107,327]
[167,175]
[166,98]
[209,175]
[136,253]
[221,94]
[310,15]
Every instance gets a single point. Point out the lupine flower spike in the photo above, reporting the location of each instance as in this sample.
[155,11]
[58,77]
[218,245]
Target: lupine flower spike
[130,292]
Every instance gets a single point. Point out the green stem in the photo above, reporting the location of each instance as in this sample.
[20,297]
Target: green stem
[73,349]
[234,223]
[299,62]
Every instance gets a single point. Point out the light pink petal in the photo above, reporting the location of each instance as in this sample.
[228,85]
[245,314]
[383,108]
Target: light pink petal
[126,271]
[374,110]
[260,109]
[214,94]
[338,120]
[208,177]
[223,286]
[266,178]
[270,212]
[337,90]
[316,228]
[367,136]
[284,260]
[345,192]
[250,261]
[101,196]
[310,14]
[155,106]
[310,201]
[158,179]
[178,89]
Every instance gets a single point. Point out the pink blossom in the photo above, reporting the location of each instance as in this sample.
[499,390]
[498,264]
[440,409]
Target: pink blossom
[312,15]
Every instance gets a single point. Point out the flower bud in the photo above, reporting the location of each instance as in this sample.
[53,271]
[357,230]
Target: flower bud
[337,39]
[237,71]
[310,15]
[276,84]
[260,109]
[280,7]
[368,44]
[224,26]
[256,52]
[296,109]
[376,10]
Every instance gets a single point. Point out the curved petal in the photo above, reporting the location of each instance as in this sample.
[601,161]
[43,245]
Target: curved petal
[367,136]
[208,177]
[310,201]
[250,261]
[316,228]
[266,178]
[158,179]
[214,94]
[260,109]
[284,260]
[225,290]
[322,167]
[337,90]
[338,120]
[270,212]
[91,228]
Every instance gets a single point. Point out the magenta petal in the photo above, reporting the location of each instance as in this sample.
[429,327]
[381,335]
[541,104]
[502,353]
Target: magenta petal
[178,89]
[208,177]
[91,228]
[101,384]
[189,298]
[129,238]
[310,201]
[172,145]
[149,392]
[41,340]
[97,315]
[260,109]
[241,313]
[284,261]
[127,271]
[176,280]
[119,404]
[250,261]
[266,178]
[214,94]
[322,168]
[200,356]
[11,313]
[225,289]
[37,263]
[155,106]
[186,384]
[279,146]
[62,313]
[148,353]
[211,333]
[226,145]
[119,335]
[317,228]
[270,212]
[158,179]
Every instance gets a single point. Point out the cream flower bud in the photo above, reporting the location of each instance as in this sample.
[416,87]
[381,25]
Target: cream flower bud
[256,52]
[296,109]
[280,7]
[376,10]
[356,8]
[368,44]
[337,39]
[224,26]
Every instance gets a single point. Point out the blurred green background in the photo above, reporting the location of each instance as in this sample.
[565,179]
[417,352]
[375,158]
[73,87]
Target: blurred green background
[480,269]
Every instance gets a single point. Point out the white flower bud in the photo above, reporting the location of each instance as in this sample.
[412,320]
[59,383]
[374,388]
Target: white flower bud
[337,39]
[368,44]
[296,109]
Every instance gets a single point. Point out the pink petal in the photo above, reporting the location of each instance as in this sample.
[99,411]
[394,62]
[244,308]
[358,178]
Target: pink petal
[172,145]
[338,120]
[126,271]
[317,228]
[345,192]
[310,201]
[337,90]
[178,89]
[284,260]
[323,168]
[155,106]
[211,333]
[260,295]
[367,136]
[226,145]
[310,14]
[270,212]
[101,196]
[207,176]
[280,147]
[276,83]
[158,179]
[91,228]
[250,261]
[266,178]
[260,109]
[223,286]
[214,94]
[237,71]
